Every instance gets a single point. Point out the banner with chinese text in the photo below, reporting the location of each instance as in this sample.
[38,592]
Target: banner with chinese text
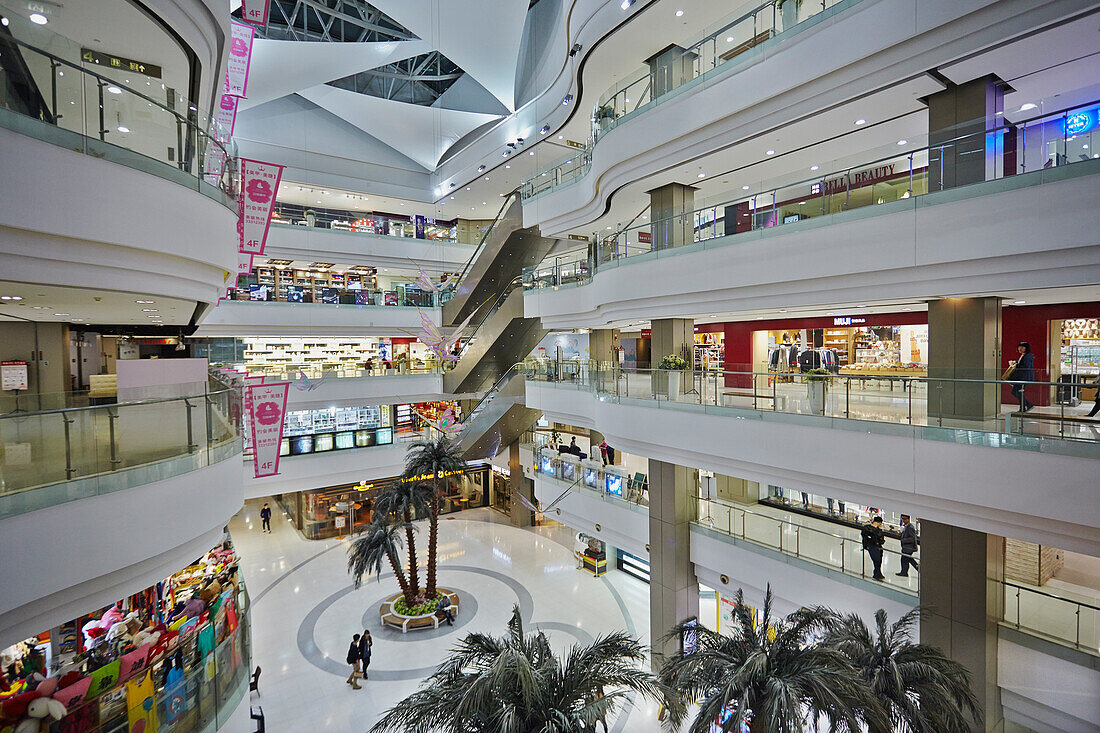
[259,184]
[240,58]
[255,11]
[268,408]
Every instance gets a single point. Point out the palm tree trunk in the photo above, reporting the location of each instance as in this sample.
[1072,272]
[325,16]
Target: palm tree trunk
[399,573]
[759,725]
[414,576]
[433,539]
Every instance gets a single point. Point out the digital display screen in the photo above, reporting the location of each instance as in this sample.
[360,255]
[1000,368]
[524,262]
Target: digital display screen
[364,438]
[568,471]
[323,442]
[362,297]
[300,445]
[284,447]
[345,440]
[295,293]
[257,292]
[614,485]
[384,436]
[591,477]
[330,295]
[546,464]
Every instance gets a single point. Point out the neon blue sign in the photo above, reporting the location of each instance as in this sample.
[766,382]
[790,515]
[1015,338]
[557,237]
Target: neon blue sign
[1080,122]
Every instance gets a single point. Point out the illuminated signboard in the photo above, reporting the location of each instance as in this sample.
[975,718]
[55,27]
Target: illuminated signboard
[848,321]
[118,62]
[1080,122]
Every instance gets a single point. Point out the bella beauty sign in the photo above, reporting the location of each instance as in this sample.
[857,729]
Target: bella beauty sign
[267,404]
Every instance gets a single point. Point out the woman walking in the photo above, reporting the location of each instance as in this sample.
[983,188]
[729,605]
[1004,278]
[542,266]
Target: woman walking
[1023,371]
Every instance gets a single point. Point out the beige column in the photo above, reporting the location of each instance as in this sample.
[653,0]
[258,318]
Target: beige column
[964,341]
[961,572]
[673,588]
[670,336]
[672,224]
[520,515]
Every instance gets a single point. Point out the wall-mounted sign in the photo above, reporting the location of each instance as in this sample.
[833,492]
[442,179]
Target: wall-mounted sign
[1080,122]
[255,11]
[848,321]
[645,237]
[119,62]
[856,180]
[13,375]
[574,144]
[578,237]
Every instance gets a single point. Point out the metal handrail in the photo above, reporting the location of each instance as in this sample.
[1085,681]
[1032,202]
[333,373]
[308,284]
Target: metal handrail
[484,239]
[1037,591]
[133,403]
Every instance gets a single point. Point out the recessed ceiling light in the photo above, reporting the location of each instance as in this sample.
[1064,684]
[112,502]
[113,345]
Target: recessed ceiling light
[729,39]
[907,309]
[145,301]
[561,137]
[903,142]
[11,297]
[483,203]
[744,188]
[771,152]
[41,307]
[702,175]
[814,167]
[861,121]
[782,310]
[318,200]
[712,316]
[679,13]
[4,21]
[861,305]
[38,18]
[608,227]
[532,152]
[61,314]
[1027,105]
[1018,302]
[480,168]
[114,90]
[829,313]
[123,128]
[507,165]
[760,318]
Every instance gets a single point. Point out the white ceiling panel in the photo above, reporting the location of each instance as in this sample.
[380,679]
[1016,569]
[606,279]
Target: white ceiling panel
[284,67]
[481,36]
[421,133]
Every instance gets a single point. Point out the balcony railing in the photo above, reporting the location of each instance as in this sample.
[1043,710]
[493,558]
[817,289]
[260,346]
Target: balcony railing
[1033,152]
[59,101]
[55,456]
[1065,620]
[871,398]
[609,483]
[740,36]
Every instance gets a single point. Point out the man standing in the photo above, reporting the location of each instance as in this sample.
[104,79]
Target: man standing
[873,540]
[909,543]
[265,517]
[365,644]
[354,657]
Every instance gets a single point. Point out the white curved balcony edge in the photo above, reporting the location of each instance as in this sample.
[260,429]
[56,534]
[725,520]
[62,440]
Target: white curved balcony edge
[249,318]
[204,26]
[315,244]
[322,470]
[1002,491]
[1046,691]
[372,390]
[874,45]
[620,524]
[107,226]
[78,555]
[1033,230]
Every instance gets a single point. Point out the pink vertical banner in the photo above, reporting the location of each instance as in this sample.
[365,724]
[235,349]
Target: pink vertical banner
[244,266]
[246,402]
[268,410]
[240,59]
[259,184]
[255,11]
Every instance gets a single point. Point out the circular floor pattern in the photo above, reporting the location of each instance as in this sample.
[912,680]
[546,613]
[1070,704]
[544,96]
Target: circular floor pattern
[467,609]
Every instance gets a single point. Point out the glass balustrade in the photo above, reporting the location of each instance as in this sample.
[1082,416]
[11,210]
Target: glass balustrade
[55,96]
[1029,153]
[932,403]
[1056,617]
[58,455]
[739,36]
[609,483]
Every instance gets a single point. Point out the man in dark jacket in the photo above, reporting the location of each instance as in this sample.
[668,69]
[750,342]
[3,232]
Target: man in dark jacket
[265,516]
[909,543]
[365,644]
[354,659]
[873,540]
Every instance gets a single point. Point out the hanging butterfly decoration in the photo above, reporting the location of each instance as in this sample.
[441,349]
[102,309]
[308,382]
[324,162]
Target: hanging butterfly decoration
[432,336]
[425,283]
[446,424]
[305,384]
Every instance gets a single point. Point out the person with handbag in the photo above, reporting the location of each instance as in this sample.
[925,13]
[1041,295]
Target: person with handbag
[353,659]
[873,540]
[1023,371]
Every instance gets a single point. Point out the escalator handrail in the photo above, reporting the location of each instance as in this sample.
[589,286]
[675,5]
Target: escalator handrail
[493,391]
[504,295]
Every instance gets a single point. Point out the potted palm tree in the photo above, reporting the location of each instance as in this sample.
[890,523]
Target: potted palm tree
[400,504]
[311,218]
[674,364]
[434,458]
[771,675]
[817,386]
[380,543]
[516,683]
[922,689]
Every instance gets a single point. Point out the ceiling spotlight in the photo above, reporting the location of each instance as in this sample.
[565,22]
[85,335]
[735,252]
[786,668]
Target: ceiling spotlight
[483,203]
[114,90]
[123,128]
[567,99]
[38,18]
[506,153]
[770,152]
[679,13]
[149,310]
[144,301]
[861,121]
[544,129]
[61,314]
[4,21]
[480,168]
[729,39]
[744,188]
[507,166]
[1028,105]
[1018,302]
[625,5]
[532,152]
[702,175]
[467,188]
[903,142]
[561,137]
[814,167]
[486,178]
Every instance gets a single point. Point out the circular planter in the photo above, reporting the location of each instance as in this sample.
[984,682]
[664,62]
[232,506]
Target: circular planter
[390,617]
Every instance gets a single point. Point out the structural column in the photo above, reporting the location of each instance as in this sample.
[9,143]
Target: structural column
[670,336]
[673,588]
[520,515]
[964,342]
[958,118]
[672,222]
[961,574]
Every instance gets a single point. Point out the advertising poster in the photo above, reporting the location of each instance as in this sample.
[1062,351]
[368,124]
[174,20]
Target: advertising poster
[240,58]
[255,11]
[268,408]
[259,183]
[420,225]
[13,375]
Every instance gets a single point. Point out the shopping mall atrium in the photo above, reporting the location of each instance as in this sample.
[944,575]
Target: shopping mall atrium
[621,365]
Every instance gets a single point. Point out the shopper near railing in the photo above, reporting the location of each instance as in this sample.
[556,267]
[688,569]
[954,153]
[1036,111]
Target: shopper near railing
[873,541]
[1023,371]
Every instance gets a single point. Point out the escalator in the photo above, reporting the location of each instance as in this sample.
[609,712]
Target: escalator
[499,419]
[504,251]
[19,91]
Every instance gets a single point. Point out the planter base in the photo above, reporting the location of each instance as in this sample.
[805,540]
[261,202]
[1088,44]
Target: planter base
[390,617]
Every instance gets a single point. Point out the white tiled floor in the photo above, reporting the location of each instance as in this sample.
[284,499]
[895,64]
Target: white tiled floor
[304,613]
